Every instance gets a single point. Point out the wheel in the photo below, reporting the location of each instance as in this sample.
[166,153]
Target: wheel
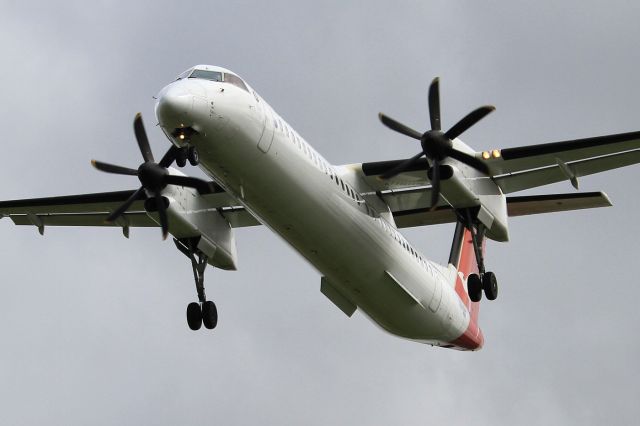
[474,287]
[194,316]
[490,285]
[181,157]
[192,155]
[209,314]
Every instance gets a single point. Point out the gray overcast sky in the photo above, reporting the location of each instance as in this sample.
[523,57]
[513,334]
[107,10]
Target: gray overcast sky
[93,326]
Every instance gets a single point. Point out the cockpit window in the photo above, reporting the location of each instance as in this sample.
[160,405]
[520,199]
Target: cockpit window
[235,80]
[207,75]
[184,74]
[216,76]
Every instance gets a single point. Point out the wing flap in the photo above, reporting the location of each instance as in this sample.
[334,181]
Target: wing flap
[516,206]
[218,200]
[409,199]
[239,217]
[93,209]
[103,202]
[136,219]
[537,204]
[424,217]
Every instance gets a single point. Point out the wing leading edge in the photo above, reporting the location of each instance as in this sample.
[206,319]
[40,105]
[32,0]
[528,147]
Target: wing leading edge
[531,166]
[93,209]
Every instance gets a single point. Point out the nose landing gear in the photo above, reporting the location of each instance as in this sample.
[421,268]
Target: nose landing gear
[204,311]
[187,153]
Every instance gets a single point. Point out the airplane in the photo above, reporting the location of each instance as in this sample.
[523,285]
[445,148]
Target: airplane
[344,219]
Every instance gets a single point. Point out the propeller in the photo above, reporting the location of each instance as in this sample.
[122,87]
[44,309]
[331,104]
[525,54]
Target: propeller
[435,144]
[153,176]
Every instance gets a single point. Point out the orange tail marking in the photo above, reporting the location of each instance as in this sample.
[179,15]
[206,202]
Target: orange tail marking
[472,338]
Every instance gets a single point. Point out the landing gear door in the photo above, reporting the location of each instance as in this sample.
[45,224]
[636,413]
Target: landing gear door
[267,134]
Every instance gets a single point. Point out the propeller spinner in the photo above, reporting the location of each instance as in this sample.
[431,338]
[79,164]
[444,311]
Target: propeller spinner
[153,176]
[437,145]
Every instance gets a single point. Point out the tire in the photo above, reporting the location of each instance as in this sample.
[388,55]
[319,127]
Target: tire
[194,316]
[209,315]
[181,157]
[193,156]
[474,287]
[490,285]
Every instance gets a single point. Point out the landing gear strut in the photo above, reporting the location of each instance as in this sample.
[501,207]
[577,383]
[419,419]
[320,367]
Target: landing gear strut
[204,311]
[484,280]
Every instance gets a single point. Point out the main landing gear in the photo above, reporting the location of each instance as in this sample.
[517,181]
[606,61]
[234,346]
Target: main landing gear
[187,153]
[204,311]
[486,281]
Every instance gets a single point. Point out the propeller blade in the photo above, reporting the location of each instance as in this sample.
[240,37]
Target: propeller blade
[199,184]
[112,168]
[169,156]
[401,167]
[469,120]
[120,210]
[399,127]
[434,104]
[435,185]
[468,160]
[162,212]
[141,137]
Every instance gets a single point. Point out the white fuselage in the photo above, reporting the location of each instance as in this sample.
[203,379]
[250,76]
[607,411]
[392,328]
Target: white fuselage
[259,159]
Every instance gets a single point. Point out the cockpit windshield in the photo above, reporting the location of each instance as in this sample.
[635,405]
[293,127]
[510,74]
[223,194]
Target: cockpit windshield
[184,74]
[235,80]
[207,75]
[223,77]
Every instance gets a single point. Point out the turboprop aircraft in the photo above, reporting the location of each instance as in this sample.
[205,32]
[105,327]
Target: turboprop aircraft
[344,220]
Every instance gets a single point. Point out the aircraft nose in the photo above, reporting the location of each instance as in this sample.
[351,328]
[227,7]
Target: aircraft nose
[174,107]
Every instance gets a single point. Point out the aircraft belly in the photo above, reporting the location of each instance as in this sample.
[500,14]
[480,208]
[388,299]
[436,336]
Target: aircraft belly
[337,237]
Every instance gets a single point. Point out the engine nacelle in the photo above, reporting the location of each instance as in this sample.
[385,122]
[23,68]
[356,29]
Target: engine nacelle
[454,189]
[190,215]
[479,192]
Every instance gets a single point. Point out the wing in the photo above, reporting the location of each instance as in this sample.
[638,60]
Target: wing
[515,169]
[93,209]
[536,165]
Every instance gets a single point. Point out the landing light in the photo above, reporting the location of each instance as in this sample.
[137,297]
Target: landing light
[486,155]
[183,133]
[496,153]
